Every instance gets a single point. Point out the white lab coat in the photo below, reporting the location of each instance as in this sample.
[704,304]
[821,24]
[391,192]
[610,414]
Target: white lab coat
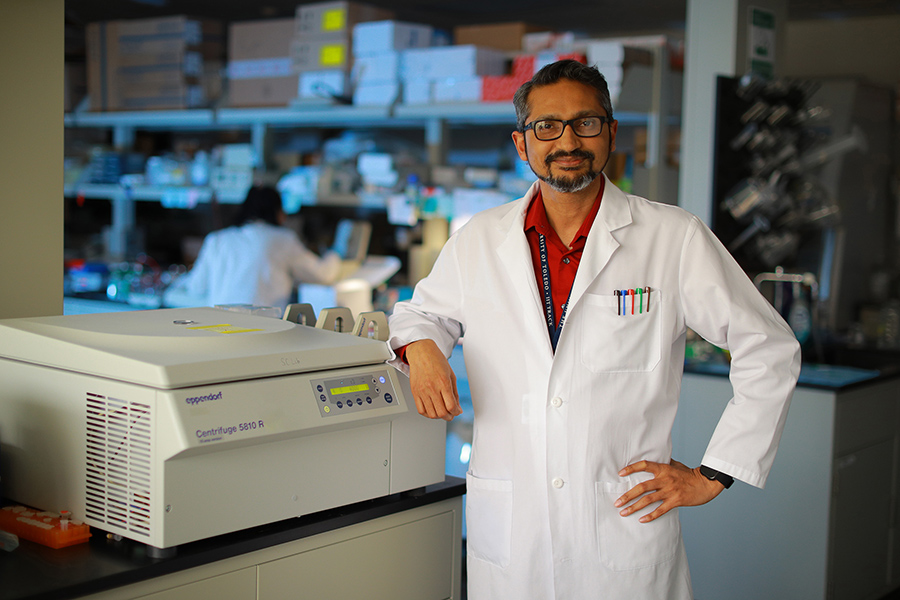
[255,263]
[552,432]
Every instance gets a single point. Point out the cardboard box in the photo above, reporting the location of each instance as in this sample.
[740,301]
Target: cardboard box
[129,66]
[501,36]
[265,91]
[163,75]
[331,18]
[192,31]
[167,34]
[260,70]
[149,63]
[316,53]
[378,37]
[269,38]
[451,62]
[161,97]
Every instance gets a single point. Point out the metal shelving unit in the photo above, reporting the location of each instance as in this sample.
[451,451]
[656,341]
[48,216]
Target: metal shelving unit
[435,120]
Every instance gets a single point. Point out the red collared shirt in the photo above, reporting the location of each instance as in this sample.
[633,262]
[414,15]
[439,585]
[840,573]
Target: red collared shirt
[562,261]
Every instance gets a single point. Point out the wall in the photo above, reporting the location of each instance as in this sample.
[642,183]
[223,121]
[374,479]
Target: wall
[31,157]
[866,47]
[715,44]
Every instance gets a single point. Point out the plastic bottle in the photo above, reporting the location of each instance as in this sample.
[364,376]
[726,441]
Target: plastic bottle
[200,168]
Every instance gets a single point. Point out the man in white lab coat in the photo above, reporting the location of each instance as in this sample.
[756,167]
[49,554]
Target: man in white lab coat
[573,303]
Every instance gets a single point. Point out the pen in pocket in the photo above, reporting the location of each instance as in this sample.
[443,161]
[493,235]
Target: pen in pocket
[640,299]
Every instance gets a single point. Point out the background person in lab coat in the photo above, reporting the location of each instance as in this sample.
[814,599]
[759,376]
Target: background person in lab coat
[257,261]
[572,491]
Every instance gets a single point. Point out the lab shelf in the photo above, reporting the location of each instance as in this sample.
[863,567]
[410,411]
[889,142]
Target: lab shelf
[653,96]
[318,116]
[144,119]
[498,113]
[171,195]
[460,113]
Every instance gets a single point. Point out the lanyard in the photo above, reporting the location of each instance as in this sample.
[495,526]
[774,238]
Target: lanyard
[549,310]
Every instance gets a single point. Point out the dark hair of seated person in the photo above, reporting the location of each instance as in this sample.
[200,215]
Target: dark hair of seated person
[263,203]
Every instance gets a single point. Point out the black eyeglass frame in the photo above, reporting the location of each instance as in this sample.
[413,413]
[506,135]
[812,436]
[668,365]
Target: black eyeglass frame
[569,122]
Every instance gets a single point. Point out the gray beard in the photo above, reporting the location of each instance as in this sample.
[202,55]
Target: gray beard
[569,186]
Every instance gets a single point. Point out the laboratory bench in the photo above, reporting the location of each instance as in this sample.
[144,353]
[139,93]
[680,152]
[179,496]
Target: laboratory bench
[827,524]
[403,546]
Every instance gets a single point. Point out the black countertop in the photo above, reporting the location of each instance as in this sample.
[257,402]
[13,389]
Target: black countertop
[817,375]
[36,572]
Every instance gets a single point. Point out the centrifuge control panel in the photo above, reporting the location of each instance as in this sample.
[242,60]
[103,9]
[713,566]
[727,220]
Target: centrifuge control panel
[354,393]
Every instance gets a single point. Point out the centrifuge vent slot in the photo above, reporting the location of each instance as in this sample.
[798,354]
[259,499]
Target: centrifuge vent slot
[117,463]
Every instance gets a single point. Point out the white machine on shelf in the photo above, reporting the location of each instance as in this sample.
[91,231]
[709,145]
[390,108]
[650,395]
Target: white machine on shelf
[170,426]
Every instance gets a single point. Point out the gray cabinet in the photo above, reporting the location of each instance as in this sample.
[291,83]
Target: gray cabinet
[825,526]
[411,555]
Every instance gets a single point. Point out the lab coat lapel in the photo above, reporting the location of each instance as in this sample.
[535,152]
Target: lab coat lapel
[515,255]
[614,213]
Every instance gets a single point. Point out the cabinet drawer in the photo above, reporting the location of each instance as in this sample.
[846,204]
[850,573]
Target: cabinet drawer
[413,561]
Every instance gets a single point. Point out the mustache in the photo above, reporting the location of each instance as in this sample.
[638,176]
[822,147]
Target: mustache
[577,153]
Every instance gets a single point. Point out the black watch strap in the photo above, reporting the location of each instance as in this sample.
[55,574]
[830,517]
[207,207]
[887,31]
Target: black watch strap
[714,475]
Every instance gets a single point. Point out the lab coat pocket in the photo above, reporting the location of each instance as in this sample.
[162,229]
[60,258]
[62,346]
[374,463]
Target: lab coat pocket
[489,519]
[621,343]
[626,544]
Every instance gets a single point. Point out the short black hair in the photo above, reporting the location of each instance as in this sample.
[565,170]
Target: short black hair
[552,73]
[263,203]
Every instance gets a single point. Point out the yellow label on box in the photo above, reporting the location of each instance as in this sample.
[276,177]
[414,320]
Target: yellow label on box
[224,328]
[332,55]
[334,20]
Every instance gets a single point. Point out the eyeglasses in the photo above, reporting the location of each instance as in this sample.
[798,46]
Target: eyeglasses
[550,129]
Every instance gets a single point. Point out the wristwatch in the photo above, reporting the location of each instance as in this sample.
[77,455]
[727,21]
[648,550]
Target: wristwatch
[714,475]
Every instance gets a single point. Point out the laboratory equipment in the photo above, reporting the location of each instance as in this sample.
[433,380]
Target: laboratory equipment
[802,171]
[175,425]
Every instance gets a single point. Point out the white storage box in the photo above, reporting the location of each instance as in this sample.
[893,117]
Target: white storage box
[417,92]
[323,84]
[375,37]
[383,67]
[467,89]
[376,94]
[451,62]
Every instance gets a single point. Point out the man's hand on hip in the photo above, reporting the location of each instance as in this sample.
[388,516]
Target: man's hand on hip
[432,381]
[673,485]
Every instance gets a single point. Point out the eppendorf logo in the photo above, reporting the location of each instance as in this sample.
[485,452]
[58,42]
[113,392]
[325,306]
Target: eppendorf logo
[200,399]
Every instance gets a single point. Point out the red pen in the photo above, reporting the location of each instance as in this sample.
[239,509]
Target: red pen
[631,293]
